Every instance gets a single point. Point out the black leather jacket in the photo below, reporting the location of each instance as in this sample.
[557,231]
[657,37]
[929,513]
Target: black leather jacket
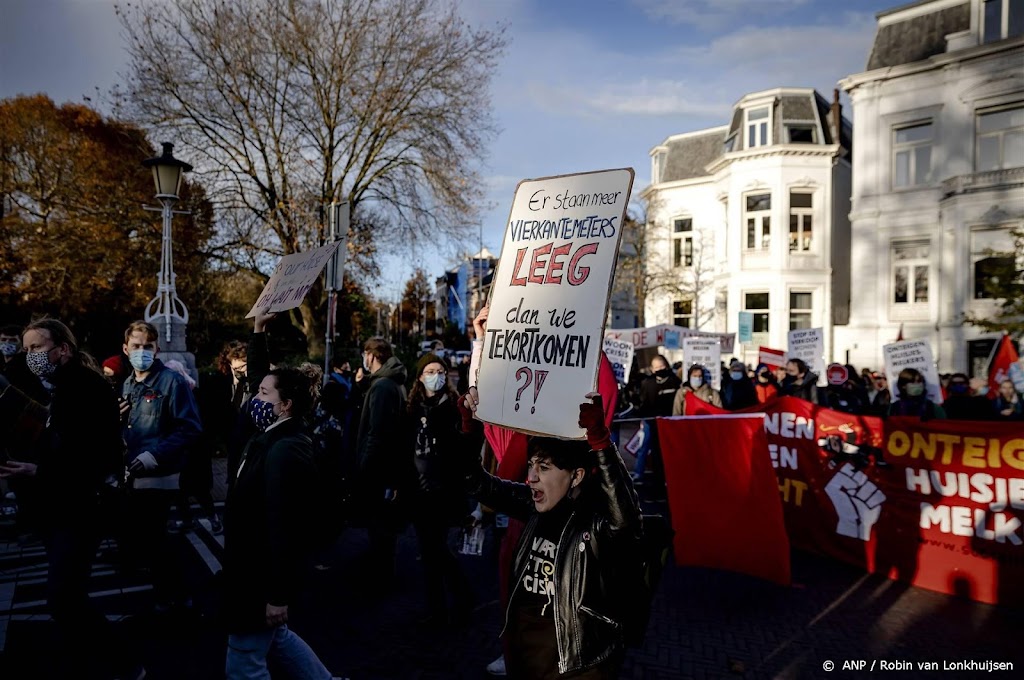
[593,560]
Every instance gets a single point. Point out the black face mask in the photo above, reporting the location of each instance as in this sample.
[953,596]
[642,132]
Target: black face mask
[663,373]
[762,377]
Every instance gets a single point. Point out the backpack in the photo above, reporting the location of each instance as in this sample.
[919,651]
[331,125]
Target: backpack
[652,555]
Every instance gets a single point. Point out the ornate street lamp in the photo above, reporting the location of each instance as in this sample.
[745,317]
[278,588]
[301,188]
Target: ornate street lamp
[166,308]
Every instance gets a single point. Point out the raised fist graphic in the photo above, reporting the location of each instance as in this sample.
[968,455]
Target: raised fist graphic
[857,500]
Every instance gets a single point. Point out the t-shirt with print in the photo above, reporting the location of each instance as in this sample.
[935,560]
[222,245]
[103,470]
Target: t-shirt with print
[537,584]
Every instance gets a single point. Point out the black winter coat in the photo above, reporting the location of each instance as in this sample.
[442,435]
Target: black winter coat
[268,521]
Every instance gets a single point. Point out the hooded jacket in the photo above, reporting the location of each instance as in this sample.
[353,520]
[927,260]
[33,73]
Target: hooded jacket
[380,443]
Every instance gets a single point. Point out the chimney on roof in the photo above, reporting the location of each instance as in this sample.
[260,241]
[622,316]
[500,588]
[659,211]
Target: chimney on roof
[835,117]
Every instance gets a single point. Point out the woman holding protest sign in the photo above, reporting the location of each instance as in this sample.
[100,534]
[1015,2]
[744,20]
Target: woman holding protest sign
[574,589]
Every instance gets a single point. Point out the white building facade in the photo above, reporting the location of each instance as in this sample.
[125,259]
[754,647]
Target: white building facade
[753,216]
[938,180]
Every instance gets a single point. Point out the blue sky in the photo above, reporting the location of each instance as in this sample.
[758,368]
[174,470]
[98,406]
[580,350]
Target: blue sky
[584,84]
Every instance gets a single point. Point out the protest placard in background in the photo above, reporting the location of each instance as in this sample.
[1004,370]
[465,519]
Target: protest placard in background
[666,335]
[809,344]
[706,352]
[549,301]
[912,354]
[292,279]
[772,358]
[746,327]
[620,354]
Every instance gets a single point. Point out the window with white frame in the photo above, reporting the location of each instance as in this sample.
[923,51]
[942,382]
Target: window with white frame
[682,242]
[1002,19]
[757,304]
[800,221]
[800,309]
[992,261]
[910,271]
[682,313]
[1000,138]
[757,217]
[912,155]
[758,127]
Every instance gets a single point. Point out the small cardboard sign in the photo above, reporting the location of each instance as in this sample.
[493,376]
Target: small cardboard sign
[549,301]
[809,344]
[746,327]
[292,279]
[912,354]
[620,354]
[706,352]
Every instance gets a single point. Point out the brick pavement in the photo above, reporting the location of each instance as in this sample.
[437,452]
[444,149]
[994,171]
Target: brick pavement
[705,624]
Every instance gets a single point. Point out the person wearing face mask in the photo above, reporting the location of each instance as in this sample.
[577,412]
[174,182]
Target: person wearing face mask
[268,540]
[161,422]
[764,386]
[378,454]
[698,383]
[10,344]
[737,389]
[800,381]
[960,404]
[913,397]
[437,499]
[76,453]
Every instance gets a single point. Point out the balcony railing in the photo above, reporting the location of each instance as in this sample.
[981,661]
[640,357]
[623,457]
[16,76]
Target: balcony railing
[981,181]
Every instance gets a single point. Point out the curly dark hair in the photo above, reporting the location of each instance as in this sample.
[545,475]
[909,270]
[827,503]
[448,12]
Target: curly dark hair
[295,386]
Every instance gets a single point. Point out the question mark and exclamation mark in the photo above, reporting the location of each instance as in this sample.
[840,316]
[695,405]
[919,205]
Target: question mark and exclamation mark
[535,377]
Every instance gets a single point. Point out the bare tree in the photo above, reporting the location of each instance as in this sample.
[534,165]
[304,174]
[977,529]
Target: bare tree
[647,267]
[284,106]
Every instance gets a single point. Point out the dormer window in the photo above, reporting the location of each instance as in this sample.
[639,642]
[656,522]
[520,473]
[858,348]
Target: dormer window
[730,144]
[801,133]
[658,167]
[757,127]
[1002,19]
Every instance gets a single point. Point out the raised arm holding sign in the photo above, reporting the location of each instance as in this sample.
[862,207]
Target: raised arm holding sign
[550,300]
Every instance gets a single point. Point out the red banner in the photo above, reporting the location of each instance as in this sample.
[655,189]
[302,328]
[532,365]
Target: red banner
[938,504]
[721,495]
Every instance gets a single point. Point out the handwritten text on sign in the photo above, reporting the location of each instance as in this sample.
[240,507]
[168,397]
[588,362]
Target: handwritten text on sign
[292,279]
[549,301]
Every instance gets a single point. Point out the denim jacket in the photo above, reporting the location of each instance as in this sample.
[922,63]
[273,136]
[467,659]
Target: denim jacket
[163,420]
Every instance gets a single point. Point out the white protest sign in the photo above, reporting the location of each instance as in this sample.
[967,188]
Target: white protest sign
[620,354]
[707,353]
[912,354]
[292,279]
[666,335]
[808,344]
[549,301]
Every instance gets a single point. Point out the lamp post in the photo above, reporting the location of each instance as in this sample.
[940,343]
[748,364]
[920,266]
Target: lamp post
[166,310]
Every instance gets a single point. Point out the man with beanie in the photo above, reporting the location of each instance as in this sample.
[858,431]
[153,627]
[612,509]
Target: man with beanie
[378,449]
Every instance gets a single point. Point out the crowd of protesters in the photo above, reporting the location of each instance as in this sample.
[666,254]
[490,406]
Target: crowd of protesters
[108,450]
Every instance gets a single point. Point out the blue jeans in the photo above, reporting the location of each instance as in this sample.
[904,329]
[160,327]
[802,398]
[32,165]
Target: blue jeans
[248,653]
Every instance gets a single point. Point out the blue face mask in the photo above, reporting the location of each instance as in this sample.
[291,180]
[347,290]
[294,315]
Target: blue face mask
[736,375]
[262,413]
[434,383]
[8,349]
[141,359]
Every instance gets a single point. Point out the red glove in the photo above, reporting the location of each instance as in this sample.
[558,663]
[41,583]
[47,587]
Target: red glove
[592,420]
[465,413]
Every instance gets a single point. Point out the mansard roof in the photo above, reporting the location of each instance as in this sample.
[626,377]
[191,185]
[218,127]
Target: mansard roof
[917,37]
[688,154]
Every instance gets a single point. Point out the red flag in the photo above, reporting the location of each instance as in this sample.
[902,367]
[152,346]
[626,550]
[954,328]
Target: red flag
[1005,365]
[723,495]
[900,335]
